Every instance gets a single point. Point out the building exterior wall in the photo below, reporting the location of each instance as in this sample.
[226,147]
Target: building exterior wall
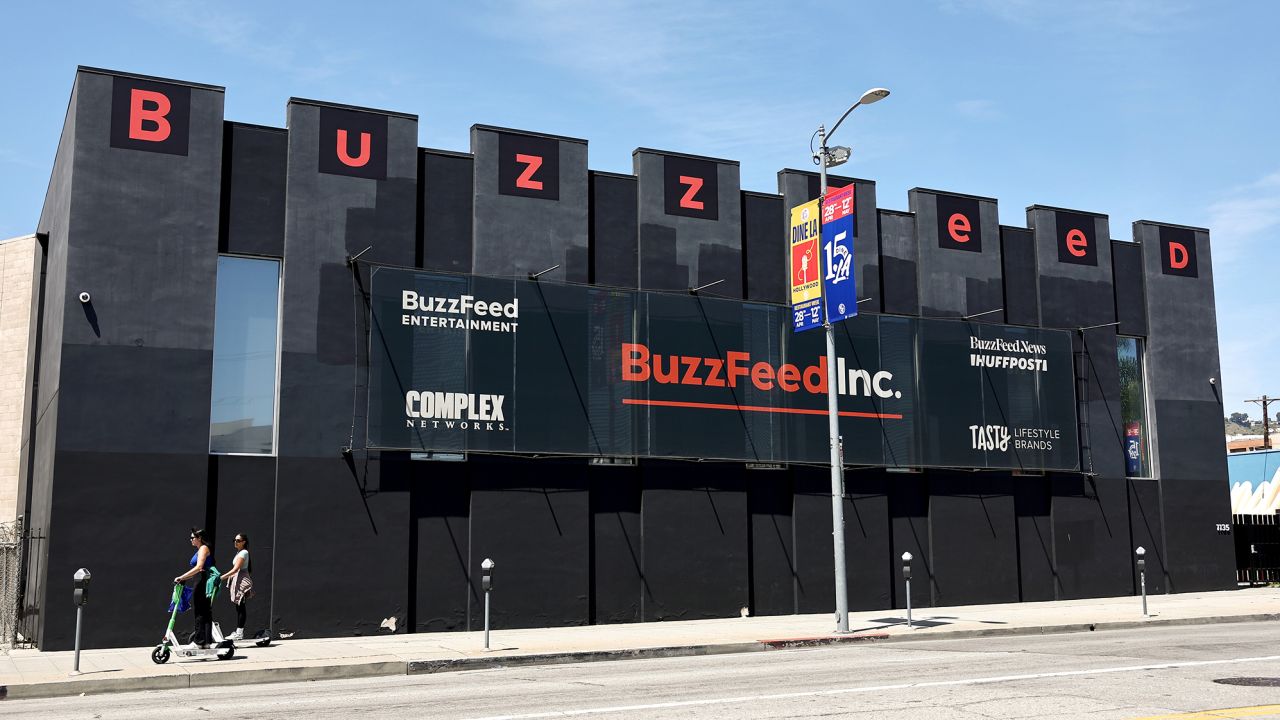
[576,542]
[19,273]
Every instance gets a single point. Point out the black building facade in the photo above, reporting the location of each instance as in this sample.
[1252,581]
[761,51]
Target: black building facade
[152,186]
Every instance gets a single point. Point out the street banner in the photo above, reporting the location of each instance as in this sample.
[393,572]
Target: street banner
[463,363]
[839,288]
[805,267]
[1133,450]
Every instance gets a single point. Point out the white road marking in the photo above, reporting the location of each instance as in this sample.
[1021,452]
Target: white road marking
[873,688]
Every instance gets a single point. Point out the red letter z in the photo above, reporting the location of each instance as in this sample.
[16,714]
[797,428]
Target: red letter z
[695,184]
[526,178]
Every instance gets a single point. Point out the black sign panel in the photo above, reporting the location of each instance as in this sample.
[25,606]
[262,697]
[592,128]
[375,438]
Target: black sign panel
[528,166]
[1077,238]
[150,116]
[1178,252]
[501,365]
[691,187]
[353,143]
[959,226]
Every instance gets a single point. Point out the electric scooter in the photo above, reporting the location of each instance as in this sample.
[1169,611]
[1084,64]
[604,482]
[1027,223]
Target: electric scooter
[221,648]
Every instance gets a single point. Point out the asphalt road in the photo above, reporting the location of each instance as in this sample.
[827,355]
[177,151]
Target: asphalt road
[1148,672]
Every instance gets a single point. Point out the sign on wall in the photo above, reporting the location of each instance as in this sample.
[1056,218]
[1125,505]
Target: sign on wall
[1077,243]
[1178,252]
[959,225]
[149,115]
[463,363]
[690,187]
[529,166]
[353,143]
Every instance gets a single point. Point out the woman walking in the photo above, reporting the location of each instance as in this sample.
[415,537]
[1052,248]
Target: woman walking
[202,565]
[240,583]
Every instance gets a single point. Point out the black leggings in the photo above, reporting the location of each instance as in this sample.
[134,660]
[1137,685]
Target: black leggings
[241,611]
[203,610]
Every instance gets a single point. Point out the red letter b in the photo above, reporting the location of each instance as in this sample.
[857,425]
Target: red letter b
[140,113]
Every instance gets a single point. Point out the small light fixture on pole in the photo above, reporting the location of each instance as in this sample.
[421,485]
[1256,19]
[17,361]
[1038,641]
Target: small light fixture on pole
[831,157]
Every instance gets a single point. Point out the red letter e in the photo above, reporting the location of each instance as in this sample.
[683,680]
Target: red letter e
[959,227]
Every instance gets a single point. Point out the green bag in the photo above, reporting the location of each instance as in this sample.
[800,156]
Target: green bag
[211,584]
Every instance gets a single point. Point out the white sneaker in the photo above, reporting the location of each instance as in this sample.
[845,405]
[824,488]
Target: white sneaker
[237,635]
[188,647]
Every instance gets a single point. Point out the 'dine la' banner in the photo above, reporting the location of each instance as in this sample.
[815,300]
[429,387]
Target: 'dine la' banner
[468,363]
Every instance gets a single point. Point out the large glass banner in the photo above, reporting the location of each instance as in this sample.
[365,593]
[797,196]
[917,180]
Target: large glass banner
[467,363]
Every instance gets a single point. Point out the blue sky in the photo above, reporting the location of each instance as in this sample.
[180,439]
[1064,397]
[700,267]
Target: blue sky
[1139,109]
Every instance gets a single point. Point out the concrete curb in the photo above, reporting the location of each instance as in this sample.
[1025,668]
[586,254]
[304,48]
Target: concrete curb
[206,678]
[343,671]
[425,667]
[1082,627]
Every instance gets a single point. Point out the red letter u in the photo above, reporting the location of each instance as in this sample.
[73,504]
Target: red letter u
[345,157]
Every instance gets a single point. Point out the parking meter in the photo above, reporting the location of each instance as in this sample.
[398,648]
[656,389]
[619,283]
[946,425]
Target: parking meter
[80,593]
[1141,552]
[486,583]
[486,577]
[80,583]
[906,578]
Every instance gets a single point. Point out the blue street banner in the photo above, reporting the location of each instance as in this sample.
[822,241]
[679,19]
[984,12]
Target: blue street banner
[805,267]
[839,288]
[1133,450]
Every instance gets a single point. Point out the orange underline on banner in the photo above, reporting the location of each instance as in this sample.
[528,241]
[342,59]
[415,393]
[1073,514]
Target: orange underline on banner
[758,408]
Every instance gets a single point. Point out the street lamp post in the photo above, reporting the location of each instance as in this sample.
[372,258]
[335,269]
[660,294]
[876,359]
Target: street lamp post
[825,159]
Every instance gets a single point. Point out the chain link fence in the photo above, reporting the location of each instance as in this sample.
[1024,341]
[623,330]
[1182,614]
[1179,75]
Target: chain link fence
[10,570]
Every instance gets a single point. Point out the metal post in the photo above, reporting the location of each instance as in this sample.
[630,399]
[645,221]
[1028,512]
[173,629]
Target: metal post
[75,669]
[1141,553]
[908,602]
[1142,579]
[486,619]
[833,426]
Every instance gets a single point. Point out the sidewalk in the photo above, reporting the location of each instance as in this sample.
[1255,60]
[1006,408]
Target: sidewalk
[31,673]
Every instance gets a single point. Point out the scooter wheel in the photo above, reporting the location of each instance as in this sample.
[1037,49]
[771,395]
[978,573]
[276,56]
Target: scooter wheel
[226,650]
[160,655]
[262,639]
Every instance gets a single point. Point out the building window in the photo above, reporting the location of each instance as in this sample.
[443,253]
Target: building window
[242,413]
[1133,408]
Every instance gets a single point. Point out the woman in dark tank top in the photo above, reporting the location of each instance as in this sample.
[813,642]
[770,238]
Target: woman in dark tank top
[201,604]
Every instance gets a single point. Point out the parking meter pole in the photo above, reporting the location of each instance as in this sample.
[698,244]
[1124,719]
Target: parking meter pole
[909,602]
[1142,579]
[906,578]
[80,596]
[75,669]
[1141,554]
[486,584]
